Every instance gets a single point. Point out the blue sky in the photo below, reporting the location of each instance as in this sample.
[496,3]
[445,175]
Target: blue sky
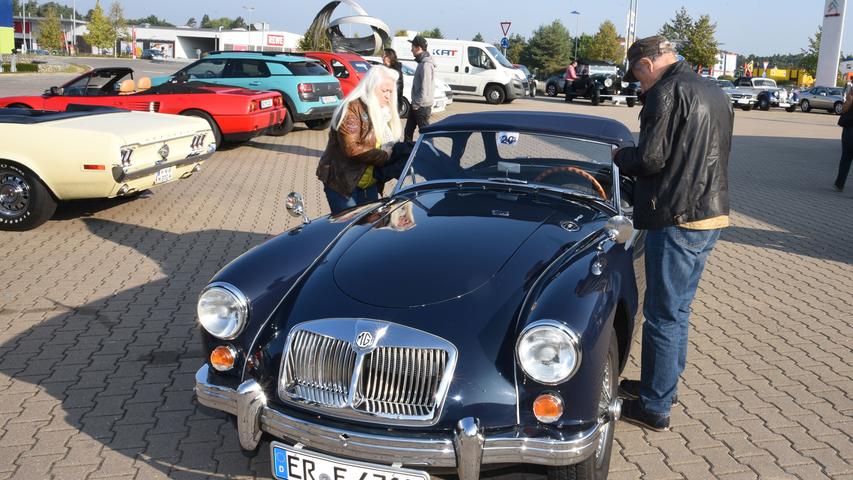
[762,27]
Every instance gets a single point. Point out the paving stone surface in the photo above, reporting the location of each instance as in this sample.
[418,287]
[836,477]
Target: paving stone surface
[98,340]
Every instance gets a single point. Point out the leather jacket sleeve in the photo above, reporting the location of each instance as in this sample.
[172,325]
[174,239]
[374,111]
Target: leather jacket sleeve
[352,138]
[656,128]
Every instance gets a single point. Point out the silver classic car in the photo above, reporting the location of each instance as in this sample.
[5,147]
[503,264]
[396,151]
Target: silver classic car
[758,92]
[825,98]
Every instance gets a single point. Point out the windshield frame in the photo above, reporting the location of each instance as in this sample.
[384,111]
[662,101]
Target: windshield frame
[614,202]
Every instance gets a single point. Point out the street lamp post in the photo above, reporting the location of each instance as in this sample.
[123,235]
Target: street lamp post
[250,9]
[577,14]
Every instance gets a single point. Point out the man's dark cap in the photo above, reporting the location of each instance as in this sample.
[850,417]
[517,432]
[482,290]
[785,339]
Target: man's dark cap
[419,41]
[646,47]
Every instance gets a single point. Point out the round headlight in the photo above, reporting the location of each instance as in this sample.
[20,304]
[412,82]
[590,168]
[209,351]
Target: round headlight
[223,310]
[625,84]
[548,352]
[608,82]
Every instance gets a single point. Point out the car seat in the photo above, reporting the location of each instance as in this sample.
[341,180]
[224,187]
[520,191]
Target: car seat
[144,83]
[127,87]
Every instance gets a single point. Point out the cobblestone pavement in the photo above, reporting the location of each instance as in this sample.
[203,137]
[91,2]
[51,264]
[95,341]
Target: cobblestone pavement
[98,342]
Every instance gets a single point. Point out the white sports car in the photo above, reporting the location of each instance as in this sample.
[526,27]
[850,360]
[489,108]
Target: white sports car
[90,152]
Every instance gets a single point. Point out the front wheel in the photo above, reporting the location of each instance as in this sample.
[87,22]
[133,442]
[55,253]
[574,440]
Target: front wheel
[805,106]
[746,108]
[791,108]
[596,98]
[596,466]
[764,103]
[25,202]
[837,108]
[405,108]
[569,98]
[551,90]
[320,124]
[631,102]
[494,95]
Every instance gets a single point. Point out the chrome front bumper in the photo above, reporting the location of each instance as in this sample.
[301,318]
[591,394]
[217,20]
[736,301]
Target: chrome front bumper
[466,449]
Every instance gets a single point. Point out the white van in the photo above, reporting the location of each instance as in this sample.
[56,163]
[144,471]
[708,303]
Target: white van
[470,68]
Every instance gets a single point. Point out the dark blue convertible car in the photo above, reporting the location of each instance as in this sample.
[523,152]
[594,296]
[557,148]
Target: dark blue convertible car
[477,317]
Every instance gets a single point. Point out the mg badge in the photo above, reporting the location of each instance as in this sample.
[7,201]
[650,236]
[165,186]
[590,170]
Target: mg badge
[364,339]
[164,151]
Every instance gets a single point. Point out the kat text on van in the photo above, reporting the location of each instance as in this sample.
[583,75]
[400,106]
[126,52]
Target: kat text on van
[443,52]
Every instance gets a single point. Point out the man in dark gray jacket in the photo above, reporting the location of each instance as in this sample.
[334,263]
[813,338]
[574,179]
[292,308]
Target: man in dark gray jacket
[423,88]
[681,199]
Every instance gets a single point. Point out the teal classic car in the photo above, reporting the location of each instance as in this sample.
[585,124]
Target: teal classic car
[310,92]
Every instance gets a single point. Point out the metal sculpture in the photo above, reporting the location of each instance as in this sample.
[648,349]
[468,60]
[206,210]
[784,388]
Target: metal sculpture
[370,45]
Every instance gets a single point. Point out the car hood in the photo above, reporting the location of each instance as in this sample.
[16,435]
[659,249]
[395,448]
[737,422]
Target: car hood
[454,263]
[457,241]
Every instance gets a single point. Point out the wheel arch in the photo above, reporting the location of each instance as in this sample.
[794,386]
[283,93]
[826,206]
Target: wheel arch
[35,171]
[623,325]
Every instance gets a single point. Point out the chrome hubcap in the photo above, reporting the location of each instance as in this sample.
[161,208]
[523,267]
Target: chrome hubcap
[14,195]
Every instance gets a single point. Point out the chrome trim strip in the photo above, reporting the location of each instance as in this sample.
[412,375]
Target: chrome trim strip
[417,450]
[119,174]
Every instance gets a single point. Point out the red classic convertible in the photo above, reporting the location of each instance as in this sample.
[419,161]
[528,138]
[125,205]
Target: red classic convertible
[234,114]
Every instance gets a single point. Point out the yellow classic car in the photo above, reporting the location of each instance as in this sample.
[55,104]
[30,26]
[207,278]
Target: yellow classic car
[90,152]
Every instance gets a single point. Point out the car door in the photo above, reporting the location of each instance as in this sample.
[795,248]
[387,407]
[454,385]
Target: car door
[818,99]
[247,73]
[478,64]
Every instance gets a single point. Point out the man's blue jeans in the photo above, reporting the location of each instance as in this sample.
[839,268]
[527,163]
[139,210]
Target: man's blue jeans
[675,258]
[338,202]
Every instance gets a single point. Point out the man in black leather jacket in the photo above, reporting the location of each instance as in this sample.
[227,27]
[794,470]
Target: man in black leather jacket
[681,198]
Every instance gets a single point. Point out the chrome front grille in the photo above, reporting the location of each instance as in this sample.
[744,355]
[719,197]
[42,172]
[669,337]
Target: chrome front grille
[400,381]
[318,369]
[369,370]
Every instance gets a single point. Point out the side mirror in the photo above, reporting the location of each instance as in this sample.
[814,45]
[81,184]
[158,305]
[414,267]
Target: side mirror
[54,91]
[619,229]
[296,206]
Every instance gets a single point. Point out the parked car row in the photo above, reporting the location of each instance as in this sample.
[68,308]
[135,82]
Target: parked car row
[763,93]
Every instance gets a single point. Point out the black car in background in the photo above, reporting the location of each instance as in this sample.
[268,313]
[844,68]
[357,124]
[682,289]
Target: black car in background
[599,81]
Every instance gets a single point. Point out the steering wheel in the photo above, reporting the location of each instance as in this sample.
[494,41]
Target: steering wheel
[597,186]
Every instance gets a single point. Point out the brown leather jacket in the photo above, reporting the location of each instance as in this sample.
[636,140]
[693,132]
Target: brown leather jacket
[351,149]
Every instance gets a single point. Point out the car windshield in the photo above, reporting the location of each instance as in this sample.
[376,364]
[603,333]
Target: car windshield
[513,158]
[835,91]
[524,69]
[725,84]
[499,56]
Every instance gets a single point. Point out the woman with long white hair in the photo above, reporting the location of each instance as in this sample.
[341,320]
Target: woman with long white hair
[365,127]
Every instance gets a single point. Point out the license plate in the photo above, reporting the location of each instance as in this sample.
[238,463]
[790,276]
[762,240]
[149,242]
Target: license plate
[164,175]
[742,101]
[266,103]
[291,463]
[329,99]
[784,104]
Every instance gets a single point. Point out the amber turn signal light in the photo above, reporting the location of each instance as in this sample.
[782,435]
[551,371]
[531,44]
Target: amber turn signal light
[548,407]
[222,358]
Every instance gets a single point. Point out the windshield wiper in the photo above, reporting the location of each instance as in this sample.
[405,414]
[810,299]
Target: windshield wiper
[508,180]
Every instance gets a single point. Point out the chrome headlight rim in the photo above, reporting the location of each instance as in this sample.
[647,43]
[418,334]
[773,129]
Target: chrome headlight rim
[574,340]
[608,82]
[242,309]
